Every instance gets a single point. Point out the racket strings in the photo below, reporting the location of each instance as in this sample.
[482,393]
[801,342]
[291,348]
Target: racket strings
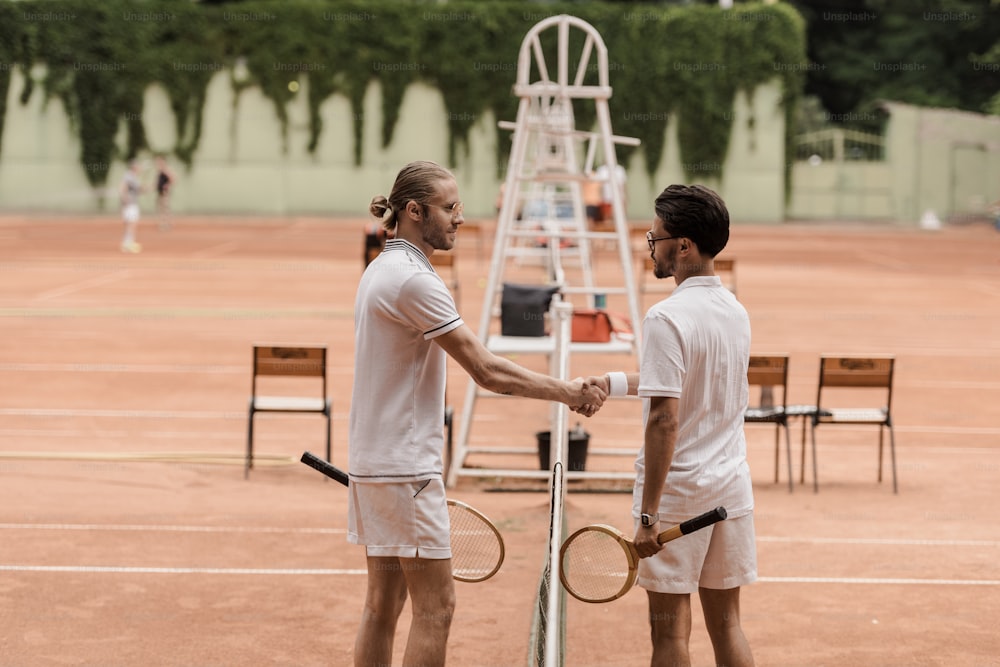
[595,565]
[476,550]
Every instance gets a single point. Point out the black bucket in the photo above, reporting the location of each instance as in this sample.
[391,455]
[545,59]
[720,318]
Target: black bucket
[577,456]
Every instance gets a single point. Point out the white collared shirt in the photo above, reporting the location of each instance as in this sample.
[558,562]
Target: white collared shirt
[696,348]
[397,401]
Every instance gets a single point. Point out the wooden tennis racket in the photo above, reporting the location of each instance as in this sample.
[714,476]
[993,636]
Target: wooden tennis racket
[598,563]
[477,548]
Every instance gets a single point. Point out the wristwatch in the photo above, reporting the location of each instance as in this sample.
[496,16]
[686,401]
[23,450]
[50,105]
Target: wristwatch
[648,519]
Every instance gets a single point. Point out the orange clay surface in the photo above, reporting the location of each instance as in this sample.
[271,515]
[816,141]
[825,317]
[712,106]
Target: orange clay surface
[128,536]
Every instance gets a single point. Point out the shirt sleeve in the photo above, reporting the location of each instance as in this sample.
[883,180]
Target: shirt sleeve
[426,304]
[662,370]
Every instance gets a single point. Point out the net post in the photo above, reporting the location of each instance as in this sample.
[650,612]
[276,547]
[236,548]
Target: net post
[554,647]
[562,316]
[555,628]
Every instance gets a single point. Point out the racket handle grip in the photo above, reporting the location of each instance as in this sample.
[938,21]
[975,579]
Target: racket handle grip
[327,469]
[691,525]
[703,520]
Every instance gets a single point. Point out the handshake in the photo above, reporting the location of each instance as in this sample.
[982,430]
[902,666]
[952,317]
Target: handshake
[588,394]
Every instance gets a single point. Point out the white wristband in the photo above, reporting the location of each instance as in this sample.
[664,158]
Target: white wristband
[617,384]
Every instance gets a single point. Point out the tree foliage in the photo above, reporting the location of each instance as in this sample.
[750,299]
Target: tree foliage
[924,52]
[686,62]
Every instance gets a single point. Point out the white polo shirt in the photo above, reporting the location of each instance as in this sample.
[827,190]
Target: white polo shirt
[696,348]
[397,403]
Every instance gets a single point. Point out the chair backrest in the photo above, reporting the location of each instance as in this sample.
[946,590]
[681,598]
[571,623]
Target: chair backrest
[860,372]
[725,268]
[769,371]
[289,361]
[441,258]
[647,281]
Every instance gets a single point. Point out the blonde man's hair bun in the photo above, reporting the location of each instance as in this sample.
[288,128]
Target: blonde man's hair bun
[382,211]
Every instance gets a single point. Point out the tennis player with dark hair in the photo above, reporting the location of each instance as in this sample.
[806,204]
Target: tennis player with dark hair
[164,188]
[693,379]
[406,324]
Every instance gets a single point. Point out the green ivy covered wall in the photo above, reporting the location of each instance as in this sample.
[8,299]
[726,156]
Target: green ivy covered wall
[682,62]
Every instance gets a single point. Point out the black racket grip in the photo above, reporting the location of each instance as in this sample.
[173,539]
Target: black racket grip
[703,520]
[327,469]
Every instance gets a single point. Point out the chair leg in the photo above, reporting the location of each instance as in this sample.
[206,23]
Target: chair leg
[815,465]
[881,430]
[329,430]
[249,461]
[788,455]
[892,453]
[802,454]
[777,429]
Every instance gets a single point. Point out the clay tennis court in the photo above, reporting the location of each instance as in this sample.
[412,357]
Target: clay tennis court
[129,537]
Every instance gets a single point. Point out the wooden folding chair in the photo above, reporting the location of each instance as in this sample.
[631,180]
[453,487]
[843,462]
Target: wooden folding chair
[649,283]
[871,372]
[725,268]
[288,361]
[374,242]
[474,227]
[644,263]
[767,372]
[446,259]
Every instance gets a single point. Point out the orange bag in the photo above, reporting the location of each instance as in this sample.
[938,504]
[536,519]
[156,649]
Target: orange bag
[595,325]
[591,326]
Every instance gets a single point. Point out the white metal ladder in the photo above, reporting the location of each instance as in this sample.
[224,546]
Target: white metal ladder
[544,166]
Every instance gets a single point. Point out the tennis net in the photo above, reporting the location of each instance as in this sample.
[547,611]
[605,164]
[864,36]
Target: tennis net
[549,625]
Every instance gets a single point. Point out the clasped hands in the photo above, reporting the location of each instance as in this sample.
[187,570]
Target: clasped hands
[590,394]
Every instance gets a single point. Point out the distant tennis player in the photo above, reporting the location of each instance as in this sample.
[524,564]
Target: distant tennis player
[406,324]
[165,179]
[693,377]
[128,196]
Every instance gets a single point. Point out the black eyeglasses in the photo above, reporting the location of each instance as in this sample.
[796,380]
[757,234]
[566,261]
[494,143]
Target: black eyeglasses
[455,209]
[651,240]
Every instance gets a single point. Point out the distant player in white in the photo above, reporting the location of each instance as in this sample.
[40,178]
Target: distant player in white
[128,195]
[406,324]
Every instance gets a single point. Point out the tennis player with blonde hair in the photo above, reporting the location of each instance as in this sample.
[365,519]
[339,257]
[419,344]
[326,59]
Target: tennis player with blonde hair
[406,325]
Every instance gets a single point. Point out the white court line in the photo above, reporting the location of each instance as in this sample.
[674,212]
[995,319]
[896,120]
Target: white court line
[104,433]
[171,528]
[115,367]
[945,430]
[883,540]
[207,414]
[172,312]
[152,414]
[215,251]
[870,581]
[953,384]
[341,531]
[96,281]
[109,367]
[110,569]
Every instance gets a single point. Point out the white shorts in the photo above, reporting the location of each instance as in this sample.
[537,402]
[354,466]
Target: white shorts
[721,556]
[130,213]
[405,519]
